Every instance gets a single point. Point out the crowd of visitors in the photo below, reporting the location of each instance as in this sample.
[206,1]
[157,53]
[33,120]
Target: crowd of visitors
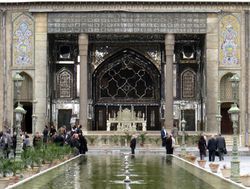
[73,137]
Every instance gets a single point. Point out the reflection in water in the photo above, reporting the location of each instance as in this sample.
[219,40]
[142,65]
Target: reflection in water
[108,172]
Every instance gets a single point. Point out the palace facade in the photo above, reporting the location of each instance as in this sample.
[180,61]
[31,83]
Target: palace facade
[118,66]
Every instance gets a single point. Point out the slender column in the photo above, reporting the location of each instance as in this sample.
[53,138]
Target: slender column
[83,51]
[40,72]
[169,49]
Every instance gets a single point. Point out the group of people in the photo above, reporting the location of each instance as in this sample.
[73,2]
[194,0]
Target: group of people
[7,142]
[216,145]
[73,137]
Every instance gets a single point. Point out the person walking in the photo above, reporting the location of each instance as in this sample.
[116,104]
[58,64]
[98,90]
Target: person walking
[202,145]
[221,146]
[163,136]
[133,144]
[212,146]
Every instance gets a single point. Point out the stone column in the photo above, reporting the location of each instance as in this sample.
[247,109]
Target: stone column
[3,72]
[40,78]
[83,51]
[168,71]
[213,81]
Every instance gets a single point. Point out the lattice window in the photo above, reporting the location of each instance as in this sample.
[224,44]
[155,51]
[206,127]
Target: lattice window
[128,77]
[226,88]
[64,83]
[188,79]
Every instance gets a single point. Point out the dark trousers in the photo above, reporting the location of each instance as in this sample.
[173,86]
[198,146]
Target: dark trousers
[132,150]
[211,155]
[221,154]
[170,150]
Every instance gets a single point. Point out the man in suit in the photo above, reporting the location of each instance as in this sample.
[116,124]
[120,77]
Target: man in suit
[221,146]
[133,144]
[212,146]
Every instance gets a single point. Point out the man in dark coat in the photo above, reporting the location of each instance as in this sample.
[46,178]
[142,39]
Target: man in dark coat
[221,146]
[83,148]
[133,144]
[212,146]
[202,145]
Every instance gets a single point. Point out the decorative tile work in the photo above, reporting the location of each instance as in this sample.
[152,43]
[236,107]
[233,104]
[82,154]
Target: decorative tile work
[23,39]
[229,40]
[122,22]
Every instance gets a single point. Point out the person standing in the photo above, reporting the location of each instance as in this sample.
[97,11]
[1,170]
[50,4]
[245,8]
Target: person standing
[163,136]
[212,146]
[170,144]
[83,148]
[202,145]
[221,146]
[52,131]
[133,144]
[45,135]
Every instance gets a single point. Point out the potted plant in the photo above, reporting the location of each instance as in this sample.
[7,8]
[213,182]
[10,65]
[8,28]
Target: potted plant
[115,139]
[142,138]
[214,167]
[91,139]
[226,171]
[202,163]
[190,157]
[245,180]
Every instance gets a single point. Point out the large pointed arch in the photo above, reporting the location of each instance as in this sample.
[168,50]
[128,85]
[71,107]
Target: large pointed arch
[126,76]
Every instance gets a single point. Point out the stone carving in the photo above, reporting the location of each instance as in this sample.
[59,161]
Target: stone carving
[23,40]
[121,22]
[127,120]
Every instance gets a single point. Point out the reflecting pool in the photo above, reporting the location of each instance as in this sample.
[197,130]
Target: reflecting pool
[119,172]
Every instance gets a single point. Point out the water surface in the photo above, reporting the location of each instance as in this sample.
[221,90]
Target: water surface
[109,172]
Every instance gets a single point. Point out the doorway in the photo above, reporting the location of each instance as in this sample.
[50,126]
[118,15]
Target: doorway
[64,116]
[226,124]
